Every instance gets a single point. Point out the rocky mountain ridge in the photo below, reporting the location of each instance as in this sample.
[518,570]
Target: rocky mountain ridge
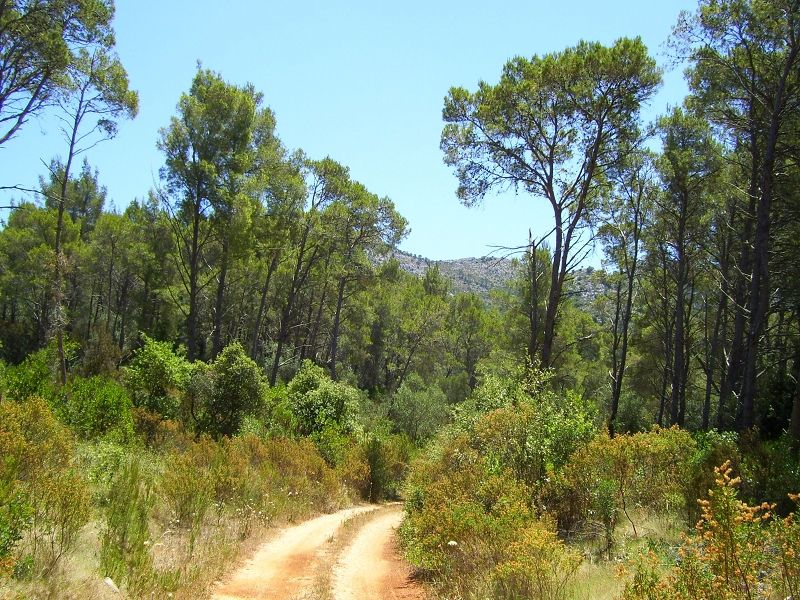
[482,275]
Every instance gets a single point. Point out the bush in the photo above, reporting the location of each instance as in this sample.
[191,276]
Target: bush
[734,554]
[159,433]
[125,538]
[96,407]
[472,498]
[770,471]
[157,376]
[35,376]
[417,410]
[186,484]
[302,473]
[610,476]
[712,448]
[15,515]
[473,528]
[102,354]
[316,402]
[332,443]
[452,496]
[237,390]
[520,424]
[248,477]
[354,470]
[540,566]
[47,496]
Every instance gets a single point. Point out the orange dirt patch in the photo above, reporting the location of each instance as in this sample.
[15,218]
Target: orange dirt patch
[372,568]
[286,566]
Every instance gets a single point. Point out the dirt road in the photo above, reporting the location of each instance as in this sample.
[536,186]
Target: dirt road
[291,565]
[370,568]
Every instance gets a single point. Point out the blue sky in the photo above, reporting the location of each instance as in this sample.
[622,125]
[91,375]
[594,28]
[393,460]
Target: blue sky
[362,82]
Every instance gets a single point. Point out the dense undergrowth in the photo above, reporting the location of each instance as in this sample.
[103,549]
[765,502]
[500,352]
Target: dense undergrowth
[157,476]
[523,497]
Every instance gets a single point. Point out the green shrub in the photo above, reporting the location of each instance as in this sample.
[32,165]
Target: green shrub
[354,470]
[472,498]
[317,402]
[279,419]
[739,551]
[101,460]
[521,425]
[186,484]
[35,376]
[157,376]
[101,354]
[332,443]
[770,471]
[473,528]
[237,390]
[15,516]
[417,410]
[712,448]
[451,496]
[388,457]
[96,407]
[540,566]
[302,473]
[605,479]
[159,433]
[125,537]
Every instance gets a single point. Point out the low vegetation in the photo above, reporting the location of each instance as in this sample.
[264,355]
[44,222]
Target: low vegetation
[153,481]
[524,497]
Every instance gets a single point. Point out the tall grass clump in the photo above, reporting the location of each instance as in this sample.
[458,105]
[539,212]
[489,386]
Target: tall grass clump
[125,537]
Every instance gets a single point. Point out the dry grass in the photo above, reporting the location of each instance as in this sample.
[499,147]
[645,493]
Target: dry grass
[178,573]
[599,578]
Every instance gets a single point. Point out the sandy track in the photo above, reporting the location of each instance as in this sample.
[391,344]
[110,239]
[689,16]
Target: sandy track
[285,567]
[371,567]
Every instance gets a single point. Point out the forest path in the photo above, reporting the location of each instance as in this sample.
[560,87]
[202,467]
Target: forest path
[371,567]
[292,564]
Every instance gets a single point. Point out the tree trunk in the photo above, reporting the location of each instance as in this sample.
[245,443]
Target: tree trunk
[731,383]
[553,298]
[678,370]
[794,427]
[336,323]
[219,305]
[298,277]
[711,359]
[759,285]
[533,308]
[58,276]
[312,338]
[194,267]
[273,264]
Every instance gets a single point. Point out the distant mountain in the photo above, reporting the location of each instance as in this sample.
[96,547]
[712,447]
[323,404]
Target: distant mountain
[487,273]
[478,275]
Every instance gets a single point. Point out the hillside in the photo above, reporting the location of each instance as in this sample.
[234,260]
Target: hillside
[478,275]
[487,273]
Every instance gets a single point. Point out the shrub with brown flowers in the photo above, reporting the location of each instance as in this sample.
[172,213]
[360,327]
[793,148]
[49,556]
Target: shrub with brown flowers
[738,552]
